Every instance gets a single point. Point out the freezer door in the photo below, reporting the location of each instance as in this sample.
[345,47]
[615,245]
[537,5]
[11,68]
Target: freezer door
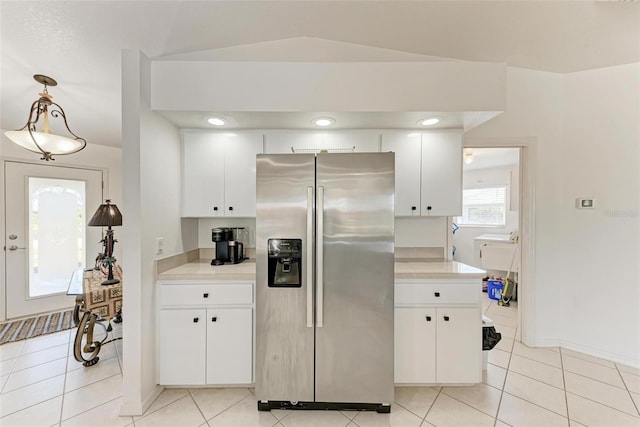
[284,315]
[354,334]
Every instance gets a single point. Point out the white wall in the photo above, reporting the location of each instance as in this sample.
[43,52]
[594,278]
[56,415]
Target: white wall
[151,170]
[463,238]
[601,247]
[586,277]
[94,156]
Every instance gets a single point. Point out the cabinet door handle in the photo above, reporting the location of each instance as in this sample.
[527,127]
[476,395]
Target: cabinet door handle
[195,320]
[437,294]
[214,319]
[215,208]
[428,318]
[428,208]
[205,295]
[230,208]
[413,208]
[446,318]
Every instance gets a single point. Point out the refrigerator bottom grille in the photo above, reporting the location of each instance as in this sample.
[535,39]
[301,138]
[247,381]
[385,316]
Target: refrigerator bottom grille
[267,405]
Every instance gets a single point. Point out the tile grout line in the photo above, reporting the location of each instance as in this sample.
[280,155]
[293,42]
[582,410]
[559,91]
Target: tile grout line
[424,419]
[30,406]
[598,402]
[598,381]
[64,385]
[628,391]
[504,383]
[64,390]
[407,409]
[469,405]
[195,402]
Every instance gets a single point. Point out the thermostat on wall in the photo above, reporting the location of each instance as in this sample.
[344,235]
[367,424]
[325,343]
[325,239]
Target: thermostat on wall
[585,203]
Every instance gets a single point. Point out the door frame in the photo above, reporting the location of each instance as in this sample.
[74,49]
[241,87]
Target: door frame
[3,161]
[525,332]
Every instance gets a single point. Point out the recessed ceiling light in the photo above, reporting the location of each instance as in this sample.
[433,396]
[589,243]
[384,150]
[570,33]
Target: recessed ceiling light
[216,121]
[323,121]
[430,121]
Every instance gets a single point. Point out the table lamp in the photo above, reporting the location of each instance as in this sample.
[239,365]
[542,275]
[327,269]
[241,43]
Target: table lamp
[107,215]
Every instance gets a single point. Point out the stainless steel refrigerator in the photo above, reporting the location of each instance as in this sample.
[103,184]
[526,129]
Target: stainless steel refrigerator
[324,281]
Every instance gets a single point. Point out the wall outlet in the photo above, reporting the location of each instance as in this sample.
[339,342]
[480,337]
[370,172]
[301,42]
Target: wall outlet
[159,245]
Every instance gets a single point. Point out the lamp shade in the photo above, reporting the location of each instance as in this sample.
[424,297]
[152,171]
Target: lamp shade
[107,215]
[48,142]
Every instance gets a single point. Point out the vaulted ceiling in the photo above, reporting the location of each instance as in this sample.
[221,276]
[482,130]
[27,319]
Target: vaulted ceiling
[79,42]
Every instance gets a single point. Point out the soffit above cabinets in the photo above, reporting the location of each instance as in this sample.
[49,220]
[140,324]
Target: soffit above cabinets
[357,95]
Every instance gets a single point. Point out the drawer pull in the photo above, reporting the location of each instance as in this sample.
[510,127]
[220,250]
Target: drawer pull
[428,318]
[214,319]
[446,318]
[413,208]
[215,208]
[230,208]
[437,294]
[205,295]
[195,320]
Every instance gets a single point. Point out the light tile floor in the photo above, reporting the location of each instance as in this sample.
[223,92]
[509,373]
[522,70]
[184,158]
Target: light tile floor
[42,385]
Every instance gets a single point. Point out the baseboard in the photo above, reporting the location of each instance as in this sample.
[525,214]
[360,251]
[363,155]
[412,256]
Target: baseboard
[590,351]
[129,409]
[616,358]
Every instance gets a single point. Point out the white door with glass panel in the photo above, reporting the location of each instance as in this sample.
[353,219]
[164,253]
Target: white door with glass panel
[46,233]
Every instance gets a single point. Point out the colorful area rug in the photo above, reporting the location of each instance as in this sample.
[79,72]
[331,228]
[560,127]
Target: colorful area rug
[33,326]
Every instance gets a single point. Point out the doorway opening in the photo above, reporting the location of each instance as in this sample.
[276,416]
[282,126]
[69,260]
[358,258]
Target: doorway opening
[488,234]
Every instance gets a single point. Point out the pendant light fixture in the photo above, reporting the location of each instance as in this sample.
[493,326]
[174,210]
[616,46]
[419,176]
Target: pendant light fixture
[43,141]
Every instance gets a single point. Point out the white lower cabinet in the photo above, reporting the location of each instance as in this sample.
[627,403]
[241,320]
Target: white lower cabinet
[415,349]
[438,333]
[229,345]
[458,345]
[205,336]
[182,355]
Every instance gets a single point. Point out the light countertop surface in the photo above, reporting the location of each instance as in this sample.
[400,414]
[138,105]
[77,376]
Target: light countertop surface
[246,270]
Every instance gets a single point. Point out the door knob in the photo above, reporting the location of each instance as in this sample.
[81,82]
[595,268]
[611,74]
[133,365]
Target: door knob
[14,248]
[12,237]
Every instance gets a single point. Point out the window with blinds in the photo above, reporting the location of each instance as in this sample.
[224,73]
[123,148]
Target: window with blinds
[483,206]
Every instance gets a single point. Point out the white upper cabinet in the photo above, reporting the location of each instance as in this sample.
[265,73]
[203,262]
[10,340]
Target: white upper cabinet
[288,141]
[441,173]
[219,173]
[428,172]
[240,174]
[408,149]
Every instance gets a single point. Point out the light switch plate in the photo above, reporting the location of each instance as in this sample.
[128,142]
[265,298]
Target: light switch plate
[159,245]
[585,203]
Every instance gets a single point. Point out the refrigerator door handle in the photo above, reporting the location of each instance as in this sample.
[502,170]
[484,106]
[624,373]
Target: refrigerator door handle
[309,250]
[319,256]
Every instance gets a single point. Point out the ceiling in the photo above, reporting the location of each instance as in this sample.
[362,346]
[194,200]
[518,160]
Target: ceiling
[79,43]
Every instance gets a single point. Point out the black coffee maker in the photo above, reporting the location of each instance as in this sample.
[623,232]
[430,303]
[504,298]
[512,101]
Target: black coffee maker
[228,249]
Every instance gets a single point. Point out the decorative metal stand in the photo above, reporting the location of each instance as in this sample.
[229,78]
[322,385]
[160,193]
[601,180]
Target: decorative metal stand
[95,304]
[87,352]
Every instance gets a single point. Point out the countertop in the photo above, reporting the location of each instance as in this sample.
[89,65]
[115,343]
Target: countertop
[404,269]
